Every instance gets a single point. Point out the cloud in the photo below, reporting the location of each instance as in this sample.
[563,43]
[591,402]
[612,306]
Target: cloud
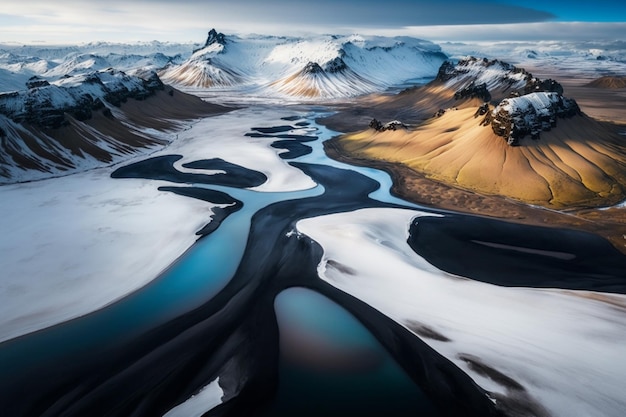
[189,20]
[542,31]
[156,18]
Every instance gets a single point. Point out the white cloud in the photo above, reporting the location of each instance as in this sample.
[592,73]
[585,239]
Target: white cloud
[114,20]
[581,31]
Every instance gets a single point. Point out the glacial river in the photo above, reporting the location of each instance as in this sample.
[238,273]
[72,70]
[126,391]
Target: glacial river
[245,304]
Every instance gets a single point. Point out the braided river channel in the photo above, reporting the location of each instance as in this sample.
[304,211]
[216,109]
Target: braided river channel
[243,325]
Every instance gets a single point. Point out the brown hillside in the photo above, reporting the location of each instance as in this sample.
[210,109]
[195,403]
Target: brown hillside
[608,82]
[581,162]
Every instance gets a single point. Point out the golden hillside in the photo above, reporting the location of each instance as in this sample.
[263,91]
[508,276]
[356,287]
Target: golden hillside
[581,162]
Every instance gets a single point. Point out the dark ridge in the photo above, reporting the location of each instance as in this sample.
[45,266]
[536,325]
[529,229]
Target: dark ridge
[313,68]
[473,91]
[36,109]
[335,65]
[213,37]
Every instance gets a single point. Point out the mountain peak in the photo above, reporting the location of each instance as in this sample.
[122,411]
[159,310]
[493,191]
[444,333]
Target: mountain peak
[313,68]
[215,37]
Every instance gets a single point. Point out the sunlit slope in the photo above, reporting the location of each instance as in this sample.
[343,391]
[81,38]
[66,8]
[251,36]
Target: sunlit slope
[580,162]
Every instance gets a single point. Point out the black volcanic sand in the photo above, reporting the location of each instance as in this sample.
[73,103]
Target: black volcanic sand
[300,138]
[291,118]
[274,129]
[212,196]
[162,168]
[295,149]
[233,336]
[510,254]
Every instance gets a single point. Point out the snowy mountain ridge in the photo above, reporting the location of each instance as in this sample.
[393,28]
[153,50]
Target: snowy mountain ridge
[46,104]
[87,121]
[343,66]
[523,104]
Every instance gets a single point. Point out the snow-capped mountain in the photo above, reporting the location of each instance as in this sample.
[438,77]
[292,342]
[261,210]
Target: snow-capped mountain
[18,64]
[524,104]
[581,58]
[325,66]
[85,121]
[205,69]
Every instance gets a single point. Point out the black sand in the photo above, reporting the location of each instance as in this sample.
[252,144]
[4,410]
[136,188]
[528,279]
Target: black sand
[510,254]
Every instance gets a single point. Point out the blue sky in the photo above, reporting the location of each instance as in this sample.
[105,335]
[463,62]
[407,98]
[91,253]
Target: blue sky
[28,21]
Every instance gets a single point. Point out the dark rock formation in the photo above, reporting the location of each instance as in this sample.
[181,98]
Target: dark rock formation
[313,68]
[482,110]
[535,85]
[34,82]
[393,125]
[515,118]
[471,74]
[533,105]
[439,113]
[446,72]
[335,65]
[213,37]
[473,91]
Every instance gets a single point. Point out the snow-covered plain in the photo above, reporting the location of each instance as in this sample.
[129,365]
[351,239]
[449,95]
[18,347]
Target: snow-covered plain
[74,244]
[564,348]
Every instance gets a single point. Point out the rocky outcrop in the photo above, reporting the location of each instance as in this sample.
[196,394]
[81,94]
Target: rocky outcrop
[335,65]
[312,68]
[515,118]
[535,85]
[212,38]
[473,91]
[392,125]
[34,82]
[491,80]
[46,105]
[523,105]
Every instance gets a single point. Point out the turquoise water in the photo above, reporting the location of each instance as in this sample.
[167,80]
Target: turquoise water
[337,367]
[203,271]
